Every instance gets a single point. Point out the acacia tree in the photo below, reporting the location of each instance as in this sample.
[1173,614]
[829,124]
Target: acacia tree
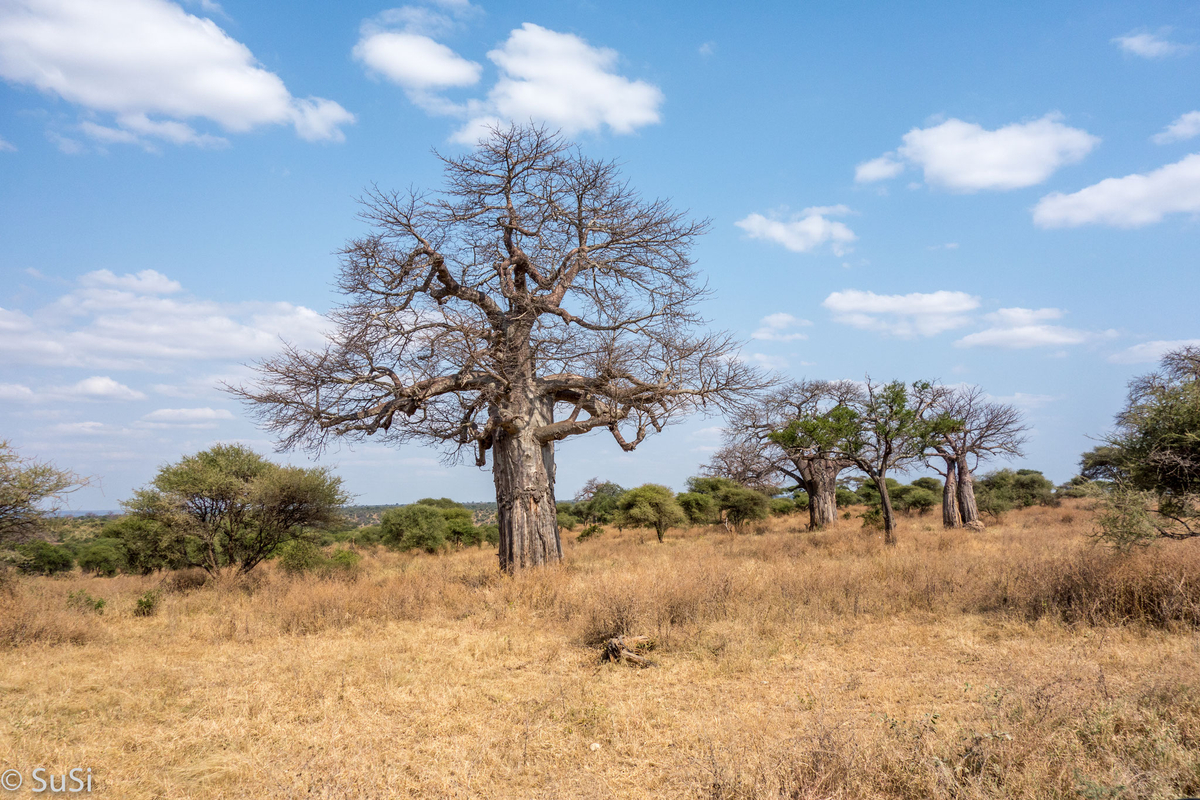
[30,492]
[982,430]
[753,457]
[536,297]
[884,428]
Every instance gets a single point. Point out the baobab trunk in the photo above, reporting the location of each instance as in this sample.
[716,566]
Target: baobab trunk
[967,507]
[822,496]
[951,518]
[885,506]
[523,469]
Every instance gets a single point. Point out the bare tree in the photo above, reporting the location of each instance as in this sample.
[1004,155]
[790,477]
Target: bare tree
[536,297]
[982,430]
[753,457]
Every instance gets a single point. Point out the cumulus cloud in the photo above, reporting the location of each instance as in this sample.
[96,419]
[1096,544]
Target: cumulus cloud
[139,322]
[1149,45]
[780,328]
[802,232]
[1186,127]
[414,61]
[138,59]
[1149,352]
[1128,202]
[903,315]
[965,157]
[1024,328]
[102,387]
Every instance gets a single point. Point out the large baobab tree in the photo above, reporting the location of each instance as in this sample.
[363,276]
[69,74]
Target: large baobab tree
[535,297]
[982,430]
[753,457]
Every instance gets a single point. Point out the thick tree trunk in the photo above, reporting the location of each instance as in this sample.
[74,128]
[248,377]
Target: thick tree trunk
[523,469]
[966,495]
[822,495]
[951,517]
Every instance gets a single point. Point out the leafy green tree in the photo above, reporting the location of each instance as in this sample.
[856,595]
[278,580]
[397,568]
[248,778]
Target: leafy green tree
[148,544]
[596,502]
[782,506]
[30,493]
[1004,489]
[928,484]
[229,507]
[1152,458]
[650,506]
[736,504]
[916,498]
[460,522]
[885,428]
[846,497]
[415,527]
[42,558]
[104,557]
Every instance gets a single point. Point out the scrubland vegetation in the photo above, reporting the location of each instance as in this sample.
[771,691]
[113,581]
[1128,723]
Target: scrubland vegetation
[1023,661]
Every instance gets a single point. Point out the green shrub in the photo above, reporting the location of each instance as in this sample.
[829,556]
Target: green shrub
[800,498]
[148,546]
[415,527]
[872,518]
[83,601]
[43,558]
[782,505]
[588,532]
[567,521]
[147,604]
[929,485]
[346,560]
[299,556]
[916,499]
[845,498]
[650,506]
[491,534]
[104,557]
[701,509]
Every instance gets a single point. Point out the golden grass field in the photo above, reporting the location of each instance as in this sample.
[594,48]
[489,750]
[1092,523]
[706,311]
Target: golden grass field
[1023,662]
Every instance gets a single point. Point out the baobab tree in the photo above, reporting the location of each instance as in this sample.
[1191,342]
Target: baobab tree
[982,430]
[753,457]
[535,297]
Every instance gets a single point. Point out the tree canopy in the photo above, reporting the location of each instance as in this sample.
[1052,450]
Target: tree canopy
[30,493]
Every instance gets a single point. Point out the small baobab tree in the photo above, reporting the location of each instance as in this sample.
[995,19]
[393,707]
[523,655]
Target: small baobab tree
[536,296]
[982,430]
[752,456]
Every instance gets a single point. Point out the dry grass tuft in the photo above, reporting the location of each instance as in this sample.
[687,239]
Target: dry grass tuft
[1021,662]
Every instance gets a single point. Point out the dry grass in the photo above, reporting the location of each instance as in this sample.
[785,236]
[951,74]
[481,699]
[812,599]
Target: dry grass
[1020,663]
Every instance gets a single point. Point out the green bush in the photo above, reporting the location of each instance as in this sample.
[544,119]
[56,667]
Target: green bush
[650,506]
[103,557]
[588,532]
[415,527]
[346,560]
[872,518]
[845,498]
[701,509]
[83,601]
[147,604]
[299,556]
[781,506]
[148,545]
[1003,490]
[929,485]
[567,521]
[43,558]
[916,499]
[800,498]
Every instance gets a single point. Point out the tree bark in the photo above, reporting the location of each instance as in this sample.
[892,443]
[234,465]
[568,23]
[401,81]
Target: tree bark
[951,517]
[885,504]
[966,494]
[822,496]
[523,470]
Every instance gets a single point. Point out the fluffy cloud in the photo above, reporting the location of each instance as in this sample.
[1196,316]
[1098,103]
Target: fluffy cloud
[103,388]
[1149,352]
[1186,127]
[136,58]
[1023,328]
[1148,45]
[802,232]
[904,315]
[137,322]
[1127,202]
[546,76]
[964,157]
[780,328]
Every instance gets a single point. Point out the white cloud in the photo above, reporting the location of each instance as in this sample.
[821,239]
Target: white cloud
[206,417]
[562,80]
[1149,45]
[134,322]
[102,388]
[802,232]
[1186,127]
[1128,202]
[1023,400]
[768,362]
[1148,352]
[964,157]
[6,146]
[414,61]
[16,391]
[136,58]
[904,315]
[779,328]
[878,169]
[707,49]
[1024,328]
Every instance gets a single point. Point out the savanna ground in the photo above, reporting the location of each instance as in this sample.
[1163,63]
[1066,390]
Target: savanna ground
[1022,662]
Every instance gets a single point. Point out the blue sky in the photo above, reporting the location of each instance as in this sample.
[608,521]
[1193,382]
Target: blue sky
[1005,195]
